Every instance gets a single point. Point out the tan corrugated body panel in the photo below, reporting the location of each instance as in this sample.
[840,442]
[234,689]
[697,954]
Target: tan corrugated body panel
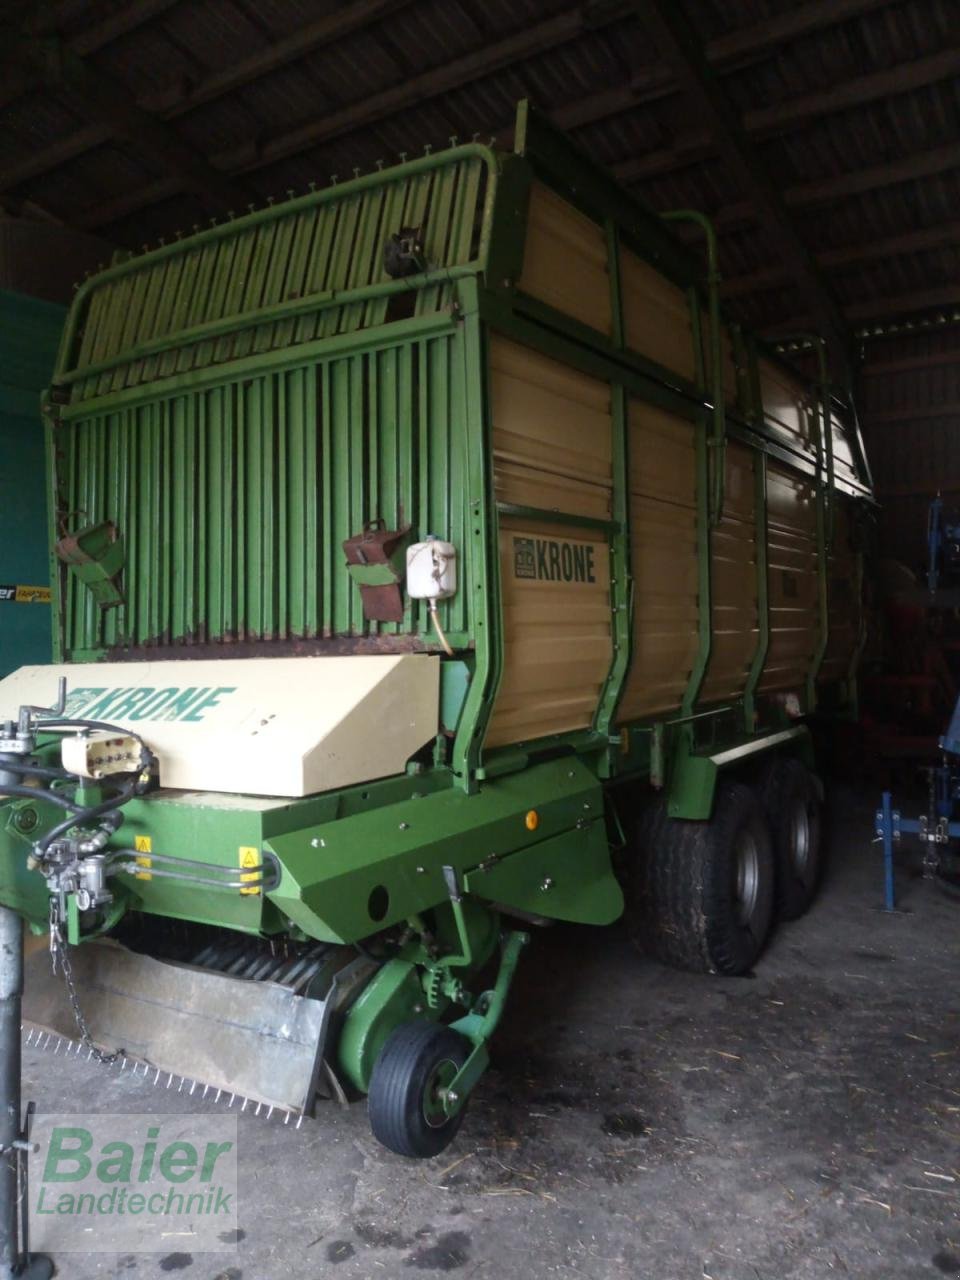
[843,595]
[663,558]
[551,432]
[557,643]
[565,260]
[843,462]
[733,582]
[552,449]
[792,580]
[656,316]
[786,402]
[730,386]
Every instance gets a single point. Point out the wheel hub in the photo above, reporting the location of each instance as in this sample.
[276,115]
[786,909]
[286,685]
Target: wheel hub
[747,877]
[799,850]
[441,1078]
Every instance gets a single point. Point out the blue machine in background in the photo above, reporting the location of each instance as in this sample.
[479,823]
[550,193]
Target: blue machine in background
[29,333]
[935,829]
[943,546]
[940,825]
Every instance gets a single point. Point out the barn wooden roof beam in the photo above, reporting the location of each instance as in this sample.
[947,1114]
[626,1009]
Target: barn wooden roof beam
[938,237]
[730,52]
[678,44]
[60,69]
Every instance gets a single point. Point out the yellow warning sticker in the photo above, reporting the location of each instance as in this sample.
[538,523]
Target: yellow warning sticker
[250,857]
[143,844]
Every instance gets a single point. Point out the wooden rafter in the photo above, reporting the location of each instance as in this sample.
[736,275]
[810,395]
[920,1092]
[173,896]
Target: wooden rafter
[677,43]
[913,413]
[911,364]
[181,100]
[314,35]
[939,237]
[95,96]
[130,16]
[881,312]
[781,117]
[921,164]
[472,66]
[730,52]
[889,309]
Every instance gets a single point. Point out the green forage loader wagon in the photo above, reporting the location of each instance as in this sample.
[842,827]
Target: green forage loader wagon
[432,560]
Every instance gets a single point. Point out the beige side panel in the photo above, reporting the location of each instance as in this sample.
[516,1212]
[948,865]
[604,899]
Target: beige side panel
[843,596]
[558,648]
[786,402]
[733,582]
[565,260]
[551,432]
[792,580]
[664,560]
[656,316]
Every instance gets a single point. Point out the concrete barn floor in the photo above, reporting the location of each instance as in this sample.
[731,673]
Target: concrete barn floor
[799,1124]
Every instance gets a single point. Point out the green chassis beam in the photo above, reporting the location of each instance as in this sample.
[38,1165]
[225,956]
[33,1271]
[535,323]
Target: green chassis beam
[694,777]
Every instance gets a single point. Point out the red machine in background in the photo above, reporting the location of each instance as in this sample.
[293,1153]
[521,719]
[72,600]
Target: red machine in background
[911,674]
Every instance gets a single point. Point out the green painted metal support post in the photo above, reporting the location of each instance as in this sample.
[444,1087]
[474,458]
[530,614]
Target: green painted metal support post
[711,375]
[481,1022]
[824,483]
[763,592]
[465,958]
[824,431]
[704,540]
[484,538]
[621,583]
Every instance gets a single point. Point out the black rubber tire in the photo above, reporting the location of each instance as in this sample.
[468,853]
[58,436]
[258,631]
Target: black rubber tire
[791,798]
[686,910]
[400,1078]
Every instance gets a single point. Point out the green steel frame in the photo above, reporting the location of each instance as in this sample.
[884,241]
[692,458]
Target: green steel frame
[458,303]
[173,389]
[435,365]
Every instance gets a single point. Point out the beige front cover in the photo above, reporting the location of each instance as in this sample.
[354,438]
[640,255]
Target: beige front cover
[256,726]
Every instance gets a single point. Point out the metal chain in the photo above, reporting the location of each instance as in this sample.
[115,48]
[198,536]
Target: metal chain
[60,952]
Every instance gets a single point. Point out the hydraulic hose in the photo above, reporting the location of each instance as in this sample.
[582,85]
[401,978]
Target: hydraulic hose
[86,815]
[35,793]
[78,816]
[38,771]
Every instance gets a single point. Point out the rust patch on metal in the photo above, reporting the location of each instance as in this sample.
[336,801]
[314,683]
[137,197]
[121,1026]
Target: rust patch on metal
[382,547]
[318,647]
